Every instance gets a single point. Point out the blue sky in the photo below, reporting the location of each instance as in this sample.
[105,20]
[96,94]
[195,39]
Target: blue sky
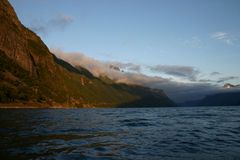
[201,34]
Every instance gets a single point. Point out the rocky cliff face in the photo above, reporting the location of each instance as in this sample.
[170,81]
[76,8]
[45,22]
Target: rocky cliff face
[29,73]
[19,43]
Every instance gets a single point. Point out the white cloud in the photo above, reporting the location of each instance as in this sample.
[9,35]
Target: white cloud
[215,73]
[187,72]
[178,91]
[225,79]
[224,37]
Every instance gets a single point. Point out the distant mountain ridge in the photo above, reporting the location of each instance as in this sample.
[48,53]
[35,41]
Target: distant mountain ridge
[221,99]
[218,99]
[228,85]
[31,75]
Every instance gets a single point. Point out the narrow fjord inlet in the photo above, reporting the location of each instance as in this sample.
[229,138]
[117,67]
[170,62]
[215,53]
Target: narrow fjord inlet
[119,79]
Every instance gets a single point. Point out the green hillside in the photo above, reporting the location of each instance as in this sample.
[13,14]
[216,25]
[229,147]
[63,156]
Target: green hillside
[30,74]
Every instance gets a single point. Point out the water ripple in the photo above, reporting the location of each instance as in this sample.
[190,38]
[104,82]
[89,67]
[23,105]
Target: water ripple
[152,133]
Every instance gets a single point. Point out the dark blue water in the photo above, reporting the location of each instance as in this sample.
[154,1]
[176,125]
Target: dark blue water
[153,133]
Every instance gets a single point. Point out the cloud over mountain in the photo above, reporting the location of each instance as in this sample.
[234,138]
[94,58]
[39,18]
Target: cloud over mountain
[178,71]
[215,73]
[178,91]
[224,79]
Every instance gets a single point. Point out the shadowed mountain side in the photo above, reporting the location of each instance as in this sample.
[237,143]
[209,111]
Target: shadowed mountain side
[148,97]
[219,99]
[148,101]
[30,74]
[70,68]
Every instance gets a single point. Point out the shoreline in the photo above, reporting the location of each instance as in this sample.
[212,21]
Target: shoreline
[30,106]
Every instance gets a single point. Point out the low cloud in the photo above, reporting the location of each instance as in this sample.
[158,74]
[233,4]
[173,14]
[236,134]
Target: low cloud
[59,22]
[215,73]
[120,72]
[225,79]
[178,91]
[205,80]
[129,67]
[224,37]
[187,72]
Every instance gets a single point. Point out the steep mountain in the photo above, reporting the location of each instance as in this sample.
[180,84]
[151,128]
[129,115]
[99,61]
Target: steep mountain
[31,75]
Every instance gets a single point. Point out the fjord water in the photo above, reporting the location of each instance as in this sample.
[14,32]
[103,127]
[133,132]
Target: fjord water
[133,133]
